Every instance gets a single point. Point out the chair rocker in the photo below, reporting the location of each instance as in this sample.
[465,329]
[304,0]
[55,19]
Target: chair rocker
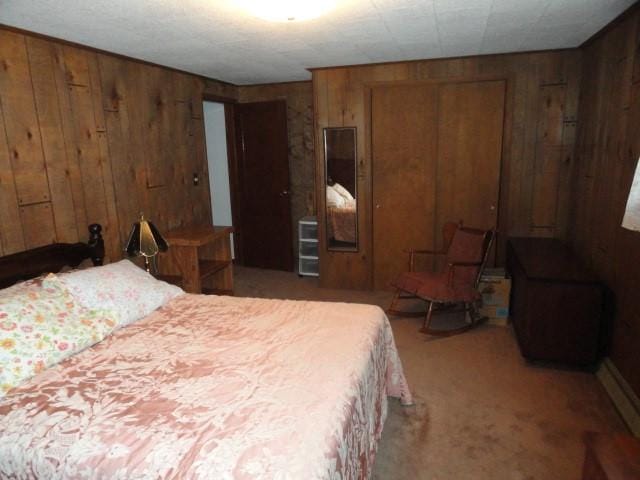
[466,251]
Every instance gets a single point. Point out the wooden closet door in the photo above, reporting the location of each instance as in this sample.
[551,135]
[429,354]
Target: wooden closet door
[470,126]
[404,133]
[437,150]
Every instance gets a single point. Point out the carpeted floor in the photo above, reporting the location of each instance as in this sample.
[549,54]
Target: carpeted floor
[481,412]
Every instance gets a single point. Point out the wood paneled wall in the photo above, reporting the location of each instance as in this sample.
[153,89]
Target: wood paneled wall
[90,137]
[539,131]
[299,98]
[607,150]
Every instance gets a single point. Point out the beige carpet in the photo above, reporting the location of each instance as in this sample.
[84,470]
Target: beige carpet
[481,412]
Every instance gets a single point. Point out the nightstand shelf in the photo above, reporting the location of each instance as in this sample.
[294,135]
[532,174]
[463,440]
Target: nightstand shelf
[199,259]
[209,267]
[216,291]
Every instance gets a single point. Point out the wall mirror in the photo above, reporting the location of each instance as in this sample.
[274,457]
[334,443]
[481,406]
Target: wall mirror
[340,173]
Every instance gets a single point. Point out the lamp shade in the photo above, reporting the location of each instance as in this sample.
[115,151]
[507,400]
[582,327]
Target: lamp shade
[145,239]
[631,218]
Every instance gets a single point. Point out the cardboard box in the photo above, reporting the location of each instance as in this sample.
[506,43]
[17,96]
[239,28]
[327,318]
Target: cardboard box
[495,315]
[495,290]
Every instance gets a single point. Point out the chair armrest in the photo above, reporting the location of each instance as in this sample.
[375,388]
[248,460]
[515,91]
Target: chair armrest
[424,252]
[464,264]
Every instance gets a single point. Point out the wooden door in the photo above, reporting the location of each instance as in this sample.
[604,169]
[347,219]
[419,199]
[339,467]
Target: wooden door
[470,126]
[404,135]
[437,149]
[263,184]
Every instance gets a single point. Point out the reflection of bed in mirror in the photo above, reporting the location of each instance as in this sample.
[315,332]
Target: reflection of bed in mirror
[342,223]
[341,214]
[341,207]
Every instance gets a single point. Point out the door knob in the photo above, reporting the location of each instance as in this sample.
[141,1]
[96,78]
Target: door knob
[284,193]
[378,205]
[493,207]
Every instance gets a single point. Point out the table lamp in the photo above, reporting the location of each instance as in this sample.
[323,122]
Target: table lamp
[145,240]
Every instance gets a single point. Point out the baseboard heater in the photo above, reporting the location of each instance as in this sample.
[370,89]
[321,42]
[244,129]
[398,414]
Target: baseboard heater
[622,395]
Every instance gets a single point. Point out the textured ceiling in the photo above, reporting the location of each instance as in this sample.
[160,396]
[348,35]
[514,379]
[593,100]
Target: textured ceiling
[216,39]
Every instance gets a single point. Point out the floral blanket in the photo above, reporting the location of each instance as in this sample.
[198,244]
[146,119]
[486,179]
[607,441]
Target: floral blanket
[212,387]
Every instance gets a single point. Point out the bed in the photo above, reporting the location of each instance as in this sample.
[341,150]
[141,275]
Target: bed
[342,223]
[210,387]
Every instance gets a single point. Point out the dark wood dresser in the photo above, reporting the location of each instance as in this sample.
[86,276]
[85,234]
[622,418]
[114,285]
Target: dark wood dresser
[556,303]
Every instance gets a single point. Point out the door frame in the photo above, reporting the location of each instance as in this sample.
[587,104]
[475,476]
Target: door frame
[232,160]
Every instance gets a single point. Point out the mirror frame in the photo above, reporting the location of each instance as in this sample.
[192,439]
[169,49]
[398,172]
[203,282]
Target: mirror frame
[355,248]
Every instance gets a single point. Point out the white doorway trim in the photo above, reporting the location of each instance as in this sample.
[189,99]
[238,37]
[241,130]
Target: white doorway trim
[216,138]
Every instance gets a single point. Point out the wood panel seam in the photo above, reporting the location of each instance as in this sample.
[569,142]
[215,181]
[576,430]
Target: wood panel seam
[46,166]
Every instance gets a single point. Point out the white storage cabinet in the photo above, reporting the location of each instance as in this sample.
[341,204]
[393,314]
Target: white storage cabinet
[308,264]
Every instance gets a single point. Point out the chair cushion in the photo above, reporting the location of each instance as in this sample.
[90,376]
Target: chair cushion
[466,246]
[433,287]
[410,282]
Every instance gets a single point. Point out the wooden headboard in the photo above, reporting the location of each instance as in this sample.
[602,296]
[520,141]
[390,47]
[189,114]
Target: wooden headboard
[51,258]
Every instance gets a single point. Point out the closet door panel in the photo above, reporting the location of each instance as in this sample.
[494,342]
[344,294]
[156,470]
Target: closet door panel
[404,134]
[470,128]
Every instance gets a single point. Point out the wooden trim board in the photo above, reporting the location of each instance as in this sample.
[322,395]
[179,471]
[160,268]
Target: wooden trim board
[43,36]
[621,394]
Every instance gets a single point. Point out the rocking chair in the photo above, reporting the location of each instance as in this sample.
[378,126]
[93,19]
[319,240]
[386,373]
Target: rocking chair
[466,251]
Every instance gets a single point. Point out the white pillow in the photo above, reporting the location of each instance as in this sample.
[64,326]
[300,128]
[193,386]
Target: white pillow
[121,287]
[334,199]
[343,191]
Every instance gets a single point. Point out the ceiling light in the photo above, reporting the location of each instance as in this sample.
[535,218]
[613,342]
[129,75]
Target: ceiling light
[287,10]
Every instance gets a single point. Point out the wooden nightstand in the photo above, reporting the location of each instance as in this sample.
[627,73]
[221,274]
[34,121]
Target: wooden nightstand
[199,259]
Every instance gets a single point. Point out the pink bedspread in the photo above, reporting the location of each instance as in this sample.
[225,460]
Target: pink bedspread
[342,223]
[212,387]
